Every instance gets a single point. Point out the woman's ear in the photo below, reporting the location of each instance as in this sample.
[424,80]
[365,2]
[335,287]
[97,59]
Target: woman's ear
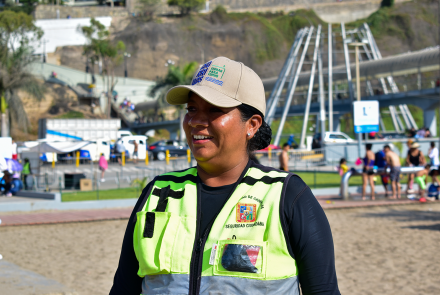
[254,123]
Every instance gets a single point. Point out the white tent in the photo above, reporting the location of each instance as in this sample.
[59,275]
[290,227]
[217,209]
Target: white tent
[58,147]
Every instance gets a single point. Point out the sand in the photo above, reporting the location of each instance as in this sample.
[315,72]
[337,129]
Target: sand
[379,250]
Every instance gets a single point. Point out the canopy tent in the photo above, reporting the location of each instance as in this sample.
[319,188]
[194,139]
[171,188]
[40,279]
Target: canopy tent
[58,147]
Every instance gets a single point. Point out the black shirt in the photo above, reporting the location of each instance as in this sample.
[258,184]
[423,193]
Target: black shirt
[309,239]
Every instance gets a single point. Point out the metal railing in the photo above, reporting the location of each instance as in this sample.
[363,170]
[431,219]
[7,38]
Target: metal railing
[353,172]
[297,158]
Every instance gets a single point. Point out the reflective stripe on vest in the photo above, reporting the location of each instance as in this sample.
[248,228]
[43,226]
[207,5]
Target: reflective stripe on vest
[252,255]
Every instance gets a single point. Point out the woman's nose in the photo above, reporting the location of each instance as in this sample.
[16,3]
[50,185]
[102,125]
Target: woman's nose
[199,119]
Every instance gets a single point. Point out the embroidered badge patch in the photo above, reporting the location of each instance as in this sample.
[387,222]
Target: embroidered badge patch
[246,212]
[217,71]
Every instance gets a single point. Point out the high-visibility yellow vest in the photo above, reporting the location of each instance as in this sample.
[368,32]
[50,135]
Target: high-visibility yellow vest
[243,252]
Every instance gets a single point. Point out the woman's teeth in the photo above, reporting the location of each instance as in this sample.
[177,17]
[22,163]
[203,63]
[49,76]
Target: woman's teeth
[201,137]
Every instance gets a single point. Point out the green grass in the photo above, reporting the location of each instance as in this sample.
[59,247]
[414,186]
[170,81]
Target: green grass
[325,180]
[123,193]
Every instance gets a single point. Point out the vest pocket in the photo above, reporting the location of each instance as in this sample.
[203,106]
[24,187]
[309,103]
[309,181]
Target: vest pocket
[154,240]
[241,258]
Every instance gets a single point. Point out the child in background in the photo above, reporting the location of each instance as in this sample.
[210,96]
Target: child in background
[103,165]
[421,179]
[343,168]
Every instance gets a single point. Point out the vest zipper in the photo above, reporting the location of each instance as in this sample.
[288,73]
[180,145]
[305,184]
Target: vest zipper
[198,261]
[195,272]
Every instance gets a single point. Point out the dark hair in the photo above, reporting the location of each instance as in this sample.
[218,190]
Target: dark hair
[263,136]
[432,144]
[286,144]
[427,166]
[342,161]
[368,146]
[386,147]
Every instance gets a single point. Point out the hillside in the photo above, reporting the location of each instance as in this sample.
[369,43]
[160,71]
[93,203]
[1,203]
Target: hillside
[59,102]
[258,40]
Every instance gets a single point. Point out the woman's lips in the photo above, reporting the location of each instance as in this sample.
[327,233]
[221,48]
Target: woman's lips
[200,139]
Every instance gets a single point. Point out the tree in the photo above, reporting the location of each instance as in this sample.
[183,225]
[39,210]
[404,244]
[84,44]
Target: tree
[26,6]
[17,31]
[101,48]
[186,6]
[175,76]
[148,8]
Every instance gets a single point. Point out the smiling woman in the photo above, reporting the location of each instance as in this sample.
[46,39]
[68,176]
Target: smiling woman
[228,225]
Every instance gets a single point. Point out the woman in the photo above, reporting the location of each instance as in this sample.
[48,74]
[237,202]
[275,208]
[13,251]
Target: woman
[103,166]
[414,158]
[228,225]
[368,172]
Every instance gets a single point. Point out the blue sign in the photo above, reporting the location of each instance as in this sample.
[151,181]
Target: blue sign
[366,128]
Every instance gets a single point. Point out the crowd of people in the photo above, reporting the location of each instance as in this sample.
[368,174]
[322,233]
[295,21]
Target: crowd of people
[127,105]
[387,158]
[421,133]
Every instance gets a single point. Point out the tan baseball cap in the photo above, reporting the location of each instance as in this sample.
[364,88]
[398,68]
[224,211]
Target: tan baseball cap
[223,83]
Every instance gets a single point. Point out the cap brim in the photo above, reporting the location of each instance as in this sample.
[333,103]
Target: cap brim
[179,95]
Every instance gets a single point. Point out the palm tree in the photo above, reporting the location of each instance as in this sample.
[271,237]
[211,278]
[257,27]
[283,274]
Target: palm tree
[17,30]
[175,76]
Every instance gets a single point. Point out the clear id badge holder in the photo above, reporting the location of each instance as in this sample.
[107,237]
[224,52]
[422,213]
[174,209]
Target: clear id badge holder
[241,258]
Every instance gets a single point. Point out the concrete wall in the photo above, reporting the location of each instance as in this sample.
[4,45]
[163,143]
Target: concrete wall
[50,11]
[328,10]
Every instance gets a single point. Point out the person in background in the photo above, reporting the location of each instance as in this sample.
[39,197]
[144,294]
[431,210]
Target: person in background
[135,152]
[343,168]
[414,158]
[120,148]
[284,158]
[367,172]
[427,133]
[422,179]
[14,150]
[6,184]
[412,132]
[381,162]
[433,155]
[421,133]
[393,161]
[27,170]
[103,166]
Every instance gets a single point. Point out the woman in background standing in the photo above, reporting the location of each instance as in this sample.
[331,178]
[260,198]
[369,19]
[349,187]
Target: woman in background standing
[367,172]
[103,165]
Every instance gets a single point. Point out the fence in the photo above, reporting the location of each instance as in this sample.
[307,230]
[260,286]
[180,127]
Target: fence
[298,159]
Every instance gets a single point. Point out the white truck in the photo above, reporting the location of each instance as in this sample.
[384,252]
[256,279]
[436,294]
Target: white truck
[128,142]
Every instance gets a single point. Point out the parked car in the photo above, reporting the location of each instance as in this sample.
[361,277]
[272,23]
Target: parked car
[337,137]
[176,148]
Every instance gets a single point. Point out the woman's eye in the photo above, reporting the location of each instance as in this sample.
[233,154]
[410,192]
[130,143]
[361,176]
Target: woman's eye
[190,109]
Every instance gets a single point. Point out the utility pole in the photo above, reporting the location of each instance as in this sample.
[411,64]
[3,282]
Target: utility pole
[126,55]
[358,86]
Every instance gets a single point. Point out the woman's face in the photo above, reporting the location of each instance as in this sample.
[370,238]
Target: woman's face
[215,135]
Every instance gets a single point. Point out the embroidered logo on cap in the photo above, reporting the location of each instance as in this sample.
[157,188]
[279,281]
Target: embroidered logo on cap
[201,73]
[246,212]
[217,72]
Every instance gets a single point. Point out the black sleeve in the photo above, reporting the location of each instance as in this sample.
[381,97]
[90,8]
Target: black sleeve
[126,280]
[310,239]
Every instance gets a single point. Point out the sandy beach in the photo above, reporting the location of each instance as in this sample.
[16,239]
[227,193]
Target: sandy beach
[379,250]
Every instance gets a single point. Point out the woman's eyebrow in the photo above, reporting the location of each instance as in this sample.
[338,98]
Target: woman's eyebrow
[190,100]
